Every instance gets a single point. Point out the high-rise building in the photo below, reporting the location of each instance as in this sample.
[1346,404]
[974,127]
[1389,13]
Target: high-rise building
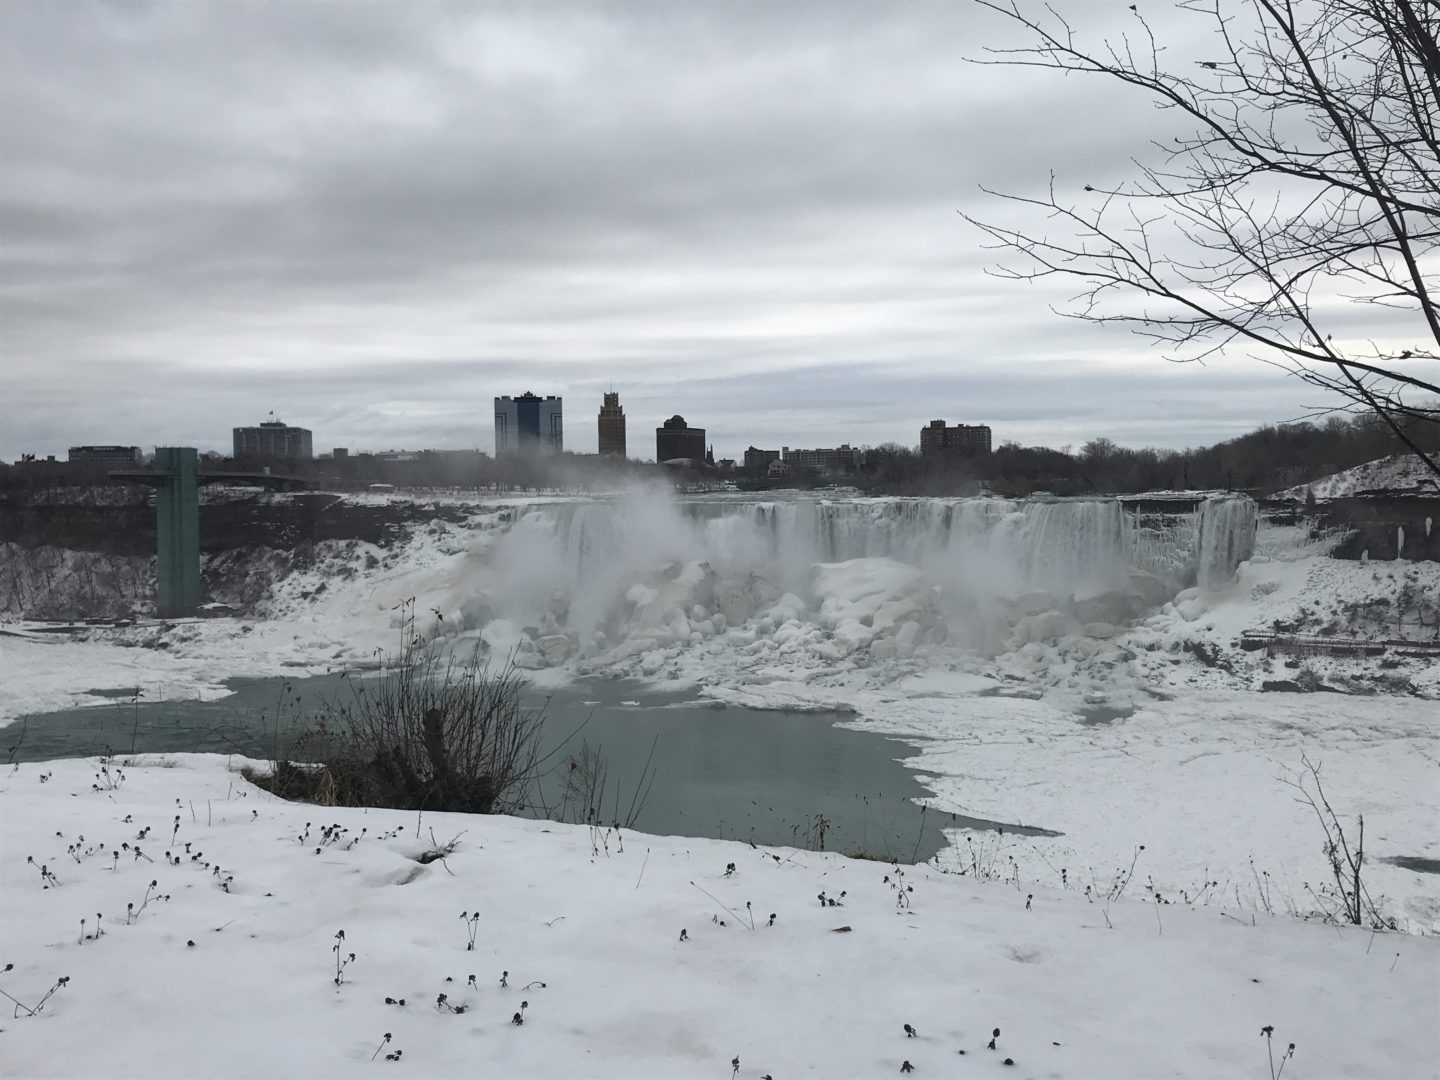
[957,440]
[675,440]
[112,456]
[528,425]
[273,439]
[612,426]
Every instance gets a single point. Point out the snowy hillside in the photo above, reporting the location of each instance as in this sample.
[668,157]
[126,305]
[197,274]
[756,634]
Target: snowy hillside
[1397,473]
[288,940]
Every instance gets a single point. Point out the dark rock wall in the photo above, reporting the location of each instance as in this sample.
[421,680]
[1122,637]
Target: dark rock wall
[224,525]
[1375,523]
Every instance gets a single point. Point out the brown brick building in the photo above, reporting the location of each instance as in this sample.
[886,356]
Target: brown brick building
[612,426]
[937,440]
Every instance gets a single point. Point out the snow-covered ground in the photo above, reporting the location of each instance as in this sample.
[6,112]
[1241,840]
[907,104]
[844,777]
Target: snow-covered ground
[1397,473]
[987,675]
[1199,781]
[226,963]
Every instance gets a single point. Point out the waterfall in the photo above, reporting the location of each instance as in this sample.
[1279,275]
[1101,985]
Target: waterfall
[1075,545]
[649,569]
[1064,545]
[1226,538]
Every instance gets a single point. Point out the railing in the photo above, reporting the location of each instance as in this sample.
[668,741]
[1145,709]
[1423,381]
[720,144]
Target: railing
[1310,645]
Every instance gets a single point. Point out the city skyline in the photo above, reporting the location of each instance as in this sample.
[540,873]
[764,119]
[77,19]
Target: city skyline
[485,197]
[499,446]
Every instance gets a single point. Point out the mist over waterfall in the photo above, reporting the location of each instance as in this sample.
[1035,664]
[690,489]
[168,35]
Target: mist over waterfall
[608,580]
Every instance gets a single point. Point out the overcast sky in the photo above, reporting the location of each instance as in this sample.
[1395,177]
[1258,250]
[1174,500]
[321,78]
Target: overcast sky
[373,217]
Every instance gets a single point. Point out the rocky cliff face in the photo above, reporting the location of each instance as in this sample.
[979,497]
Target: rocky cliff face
[1382,527]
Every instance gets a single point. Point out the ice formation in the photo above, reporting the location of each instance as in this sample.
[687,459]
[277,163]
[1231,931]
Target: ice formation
[609,580]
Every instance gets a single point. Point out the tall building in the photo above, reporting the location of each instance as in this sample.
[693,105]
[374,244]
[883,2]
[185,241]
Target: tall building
[676,440]
[958,440]
[273,439]
[612,426]
[529,425]
[843,458]
[112,456]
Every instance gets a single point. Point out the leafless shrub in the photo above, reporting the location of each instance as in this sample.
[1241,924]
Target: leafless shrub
[438,735]
[586,781]
[427,734]
[1347,899]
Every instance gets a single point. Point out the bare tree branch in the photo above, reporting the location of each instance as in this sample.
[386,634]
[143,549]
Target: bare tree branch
[1306,178]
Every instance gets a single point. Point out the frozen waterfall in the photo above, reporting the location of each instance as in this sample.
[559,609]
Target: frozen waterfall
[649,571]
[1064,545]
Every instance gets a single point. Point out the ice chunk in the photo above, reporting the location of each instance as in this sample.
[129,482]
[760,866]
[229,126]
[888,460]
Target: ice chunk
[1032,603]
[553,648]
[905,639]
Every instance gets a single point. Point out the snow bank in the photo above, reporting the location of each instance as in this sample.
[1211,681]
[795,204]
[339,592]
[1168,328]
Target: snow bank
[1397,473]
[1198,780]
[229,969]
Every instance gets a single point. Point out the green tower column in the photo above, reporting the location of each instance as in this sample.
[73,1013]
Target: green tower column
[177,524]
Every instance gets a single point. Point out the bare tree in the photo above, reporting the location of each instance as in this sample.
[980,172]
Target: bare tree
[1305,174]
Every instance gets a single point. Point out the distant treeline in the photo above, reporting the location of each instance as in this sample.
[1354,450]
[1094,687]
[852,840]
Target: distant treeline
[1263,461]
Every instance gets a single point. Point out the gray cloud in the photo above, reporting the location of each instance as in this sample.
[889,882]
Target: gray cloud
[374,217]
